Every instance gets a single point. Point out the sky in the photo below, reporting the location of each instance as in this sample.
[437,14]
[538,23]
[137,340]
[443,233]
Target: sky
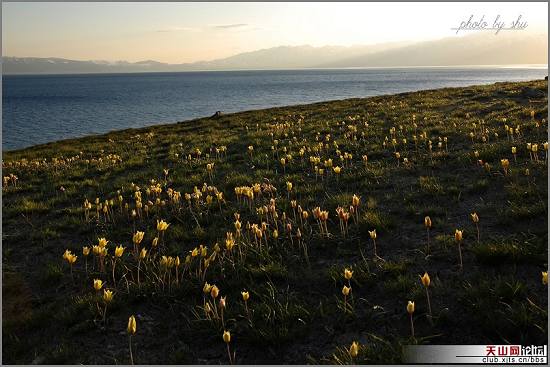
[188,32]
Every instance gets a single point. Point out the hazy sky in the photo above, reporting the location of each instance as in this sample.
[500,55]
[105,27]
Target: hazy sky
[186,32]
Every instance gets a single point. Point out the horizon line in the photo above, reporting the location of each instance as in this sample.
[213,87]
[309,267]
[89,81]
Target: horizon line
[472,66]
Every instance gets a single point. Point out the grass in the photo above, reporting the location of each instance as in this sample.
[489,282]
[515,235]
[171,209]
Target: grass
[296,312]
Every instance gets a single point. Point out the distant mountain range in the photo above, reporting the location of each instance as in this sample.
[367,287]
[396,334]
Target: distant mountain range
[478,49]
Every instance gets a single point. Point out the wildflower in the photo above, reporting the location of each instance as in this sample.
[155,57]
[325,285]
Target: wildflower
[348,274]
[545,277]
[505,165]
[162,225]
[337,170]
[107,296]
[143,253]
[346,290]
[138,237]
[227,336]
[98,284]
[372,234]
[155,242]
[70,257]
[207,287]
[354,349]
[245,295]
[410,307]
[131,329]
[119,250]
[428,225]
[102,242]
[355,200]
[227,339]
[214,291]
[410,310]
[85,250]
[427,222]
[425,280]
[458,238]
[458,235]
[289,186]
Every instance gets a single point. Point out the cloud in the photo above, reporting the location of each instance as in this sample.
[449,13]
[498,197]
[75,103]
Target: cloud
[178,29]
[230,26]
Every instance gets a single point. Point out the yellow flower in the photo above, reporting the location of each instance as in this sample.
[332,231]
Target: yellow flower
[195,252]
[102,242]
[85,250]
[119,250]
[337,170]
[162,225]
[410,307]
[346,290]
[138,237]
[132,325]
[222,302]
[458,235]
[275,234]
[98,283]
[226,336]
[155,242]
[245,295]
[514,150]
[289,186]
[425,280]
[348,274]
[504,163]
[373,234]
[475,217]
[143,253]
[214,291]
[545,277]
[107,296]
[427,222]
[71,259]
[355,200]
[354,349]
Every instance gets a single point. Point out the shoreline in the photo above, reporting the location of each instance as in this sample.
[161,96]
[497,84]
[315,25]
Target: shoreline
[230,114]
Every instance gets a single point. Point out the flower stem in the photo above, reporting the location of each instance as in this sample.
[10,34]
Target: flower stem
[130,345]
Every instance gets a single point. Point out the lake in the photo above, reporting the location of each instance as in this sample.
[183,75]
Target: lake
[43,108]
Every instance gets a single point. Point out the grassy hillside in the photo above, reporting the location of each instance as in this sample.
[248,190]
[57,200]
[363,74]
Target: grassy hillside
[432,153]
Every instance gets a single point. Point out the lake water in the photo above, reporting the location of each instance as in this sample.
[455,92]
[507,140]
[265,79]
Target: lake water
[42,108]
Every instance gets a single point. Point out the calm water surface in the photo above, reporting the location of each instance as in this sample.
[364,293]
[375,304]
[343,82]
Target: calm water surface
[42,108]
